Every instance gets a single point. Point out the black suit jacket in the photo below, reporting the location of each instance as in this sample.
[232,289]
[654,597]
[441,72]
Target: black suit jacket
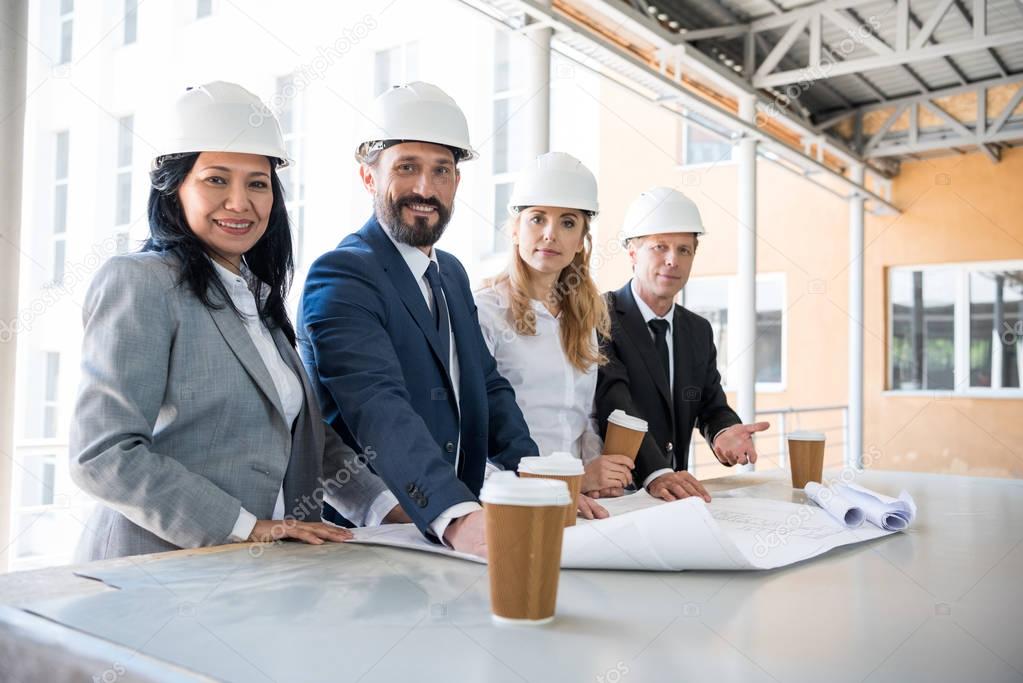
[633,380]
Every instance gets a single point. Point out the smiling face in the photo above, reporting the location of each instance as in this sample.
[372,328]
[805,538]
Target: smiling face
[413,186]
[227,198]
[549,237]
[661,263]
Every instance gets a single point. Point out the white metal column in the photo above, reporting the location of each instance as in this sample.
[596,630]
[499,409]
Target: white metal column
[13,52]
[854,445]
[537,109]
[743,365]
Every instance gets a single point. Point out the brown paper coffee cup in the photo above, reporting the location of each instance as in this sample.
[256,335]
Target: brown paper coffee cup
[525,522]
[561,466]
[624,434]
[806,457]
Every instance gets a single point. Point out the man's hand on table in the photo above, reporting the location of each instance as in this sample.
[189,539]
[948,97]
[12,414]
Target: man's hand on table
[677,485]
[468,534]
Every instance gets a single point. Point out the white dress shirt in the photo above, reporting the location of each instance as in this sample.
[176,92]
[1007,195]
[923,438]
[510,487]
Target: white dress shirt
[417,263]
[286,382]
[555,398]
[648,315]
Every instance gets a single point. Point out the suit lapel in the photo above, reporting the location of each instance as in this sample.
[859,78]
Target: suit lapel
[405,284]
[295,478]
[237,337]
[639,333]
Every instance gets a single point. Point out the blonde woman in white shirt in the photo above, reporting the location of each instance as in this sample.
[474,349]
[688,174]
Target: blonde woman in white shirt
[541,316]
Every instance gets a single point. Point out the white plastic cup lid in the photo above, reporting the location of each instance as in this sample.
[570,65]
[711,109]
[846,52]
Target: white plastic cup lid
[623,419]
[505,488]
[805,436]
[558,463]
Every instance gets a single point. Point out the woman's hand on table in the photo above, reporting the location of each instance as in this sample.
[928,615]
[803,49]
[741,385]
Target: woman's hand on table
[313,533]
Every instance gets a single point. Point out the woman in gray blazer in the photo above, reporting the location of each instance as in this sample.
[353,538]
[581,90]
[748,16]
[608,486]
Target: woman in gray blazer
[195,424]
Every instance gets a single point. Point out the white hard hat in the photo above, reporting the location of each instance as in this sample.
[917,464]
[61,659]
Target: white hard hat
[661,210]
[418,112]
[555,179]
[221,117]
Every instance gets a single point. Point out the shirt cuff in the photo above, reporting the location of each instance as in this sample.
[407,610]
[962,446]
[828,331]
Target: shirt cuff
[243,527]
[440,525]
[653,475]
[714,438]
[379,508]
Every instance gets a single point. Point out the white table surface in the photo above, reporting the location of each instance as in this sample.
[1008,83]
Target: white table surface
[943,601]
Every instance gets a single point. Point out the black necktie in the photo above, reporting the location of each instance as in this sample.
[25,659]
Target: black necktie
[660,330]
[440,311]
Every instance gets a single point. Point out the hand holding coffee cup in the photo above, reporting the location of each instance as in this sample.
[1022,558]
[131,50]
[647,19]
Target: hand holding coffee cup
[525,523]
[625,434]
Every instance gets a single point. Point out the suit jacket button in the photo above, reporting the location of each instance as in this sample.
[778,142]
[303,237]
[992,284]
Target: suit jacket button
[422,501]
[411,488]
[670,446]
[449,447]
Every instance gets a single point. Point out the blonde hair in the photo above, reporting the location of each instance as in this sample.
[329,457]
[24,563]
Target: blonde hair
[575,294]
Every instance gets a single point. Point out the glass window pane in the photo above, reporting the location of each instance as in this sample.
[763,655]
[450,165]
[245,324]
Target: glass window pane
[709,298]
[60,209]
[384,67]
[67,6]
[58,261]
[509,133]
[130,21]
[502,195]
[49,422]
[704,147]
[123,211]
[769,331]
[922,314]
[509,58]
[52,375]
[203,8]
[63,151]
[125,140]
[996,328]
[38,473]
[411,62]
[65,42]
[285,94]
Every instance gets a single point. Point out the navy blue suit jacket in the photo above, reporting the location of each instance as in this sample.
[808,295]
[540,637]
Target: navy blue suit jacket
[370,345]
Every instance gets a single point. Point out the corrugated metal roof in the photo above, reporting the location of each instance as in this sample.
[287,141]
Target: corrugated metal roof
[831,95]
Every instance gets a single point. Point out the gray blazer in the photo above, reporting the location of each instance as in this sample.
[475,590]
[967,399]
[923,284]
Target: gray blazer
[178,424]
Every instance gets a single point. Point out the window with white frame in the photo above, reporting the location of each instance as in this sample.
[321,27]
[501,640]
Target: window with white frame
[290,110]
[508,128]
[956,327]
[702,142]
[67,8]
[62,142]
[131,21]
[125,140]
[395,66]
[715,297]
[203,8]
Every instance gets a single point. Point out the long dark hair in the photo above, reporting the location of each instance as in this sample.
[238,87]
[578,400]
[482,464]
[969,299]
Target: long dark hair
[270,259]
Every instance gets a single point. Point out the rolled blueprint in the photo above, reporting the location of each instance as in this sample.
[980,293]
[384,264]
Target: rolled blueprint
[835,505]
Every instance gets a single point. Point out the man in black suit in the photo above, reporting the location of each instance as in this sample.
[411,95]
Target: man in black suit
[662,363]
